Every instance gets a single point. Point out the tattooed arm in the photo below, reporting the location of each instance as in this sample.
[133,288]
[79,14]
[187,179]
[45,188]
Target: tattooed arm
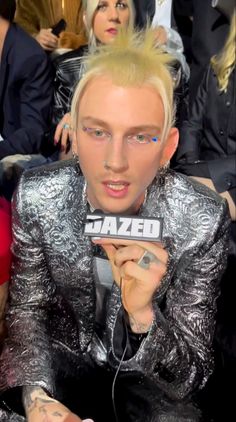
[39,407]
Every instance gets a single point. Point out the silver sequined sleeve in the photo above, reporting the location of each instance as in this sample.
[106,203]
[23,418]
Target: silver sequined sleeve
[28,352]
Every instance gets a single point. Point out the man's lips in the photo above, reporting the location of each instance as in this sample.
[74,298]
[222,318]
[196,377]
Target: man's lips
[116,189]
[116,185]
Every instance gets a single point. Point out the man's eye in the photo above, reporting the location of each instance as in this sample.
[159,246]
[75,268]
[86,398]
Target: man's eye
[98,133]
[140,138]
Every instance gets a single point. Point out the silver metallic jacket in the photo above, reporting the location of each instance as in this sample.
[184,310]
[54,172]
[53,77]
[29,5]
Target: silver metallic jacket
[52,297]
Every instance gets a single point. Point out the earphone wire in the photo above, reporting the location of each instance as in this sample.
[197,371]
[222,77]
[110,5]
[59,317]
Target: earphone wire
[119,366]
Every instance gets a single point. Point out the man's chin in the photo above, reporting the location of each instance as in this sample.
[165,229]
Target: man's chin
[117,208]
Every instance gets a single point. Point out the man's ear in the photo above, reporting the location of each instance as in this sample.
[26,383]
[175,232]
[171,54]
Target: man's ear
[170,146]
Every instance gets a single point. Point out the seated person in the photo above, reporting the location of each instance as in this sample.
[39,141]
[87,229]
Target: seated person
[208,138]
[140,323]
[209,32]
[207,152]
[39,17]
[69,67]
[25,88]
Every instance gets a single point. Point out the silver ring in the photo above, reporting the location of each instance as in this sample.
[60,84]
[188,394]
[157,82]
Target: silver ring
[66,126]
[146,259]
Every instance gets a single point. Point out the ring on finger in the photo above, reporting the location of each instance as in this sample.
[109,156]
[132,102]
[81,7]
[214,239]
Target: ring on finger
[146,260]
[66,126]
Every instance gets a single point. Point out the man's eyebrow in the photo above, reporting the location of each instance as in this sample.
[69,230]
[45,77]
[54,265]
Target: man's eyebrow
[93,120]
[142,127]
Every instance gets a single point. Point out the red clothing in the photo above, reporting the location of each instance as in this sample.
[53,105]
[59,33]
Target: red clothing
[5,240]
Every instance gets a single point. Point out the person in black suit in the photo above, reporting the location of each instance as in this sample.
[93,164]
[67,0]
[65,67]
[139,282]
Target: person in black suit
[25,88]
[210,29]
[207,152]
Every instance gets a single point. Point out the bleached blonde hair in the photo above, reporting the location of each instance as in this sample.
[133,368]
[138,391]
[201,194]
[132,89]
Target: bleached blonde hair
[90,7]
[131,60]
[224,62]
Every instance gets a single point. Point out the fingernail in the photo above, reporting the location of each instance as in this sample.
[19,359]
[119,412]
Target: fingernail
[88,420]
[55,141]
[95,238]
[62,148]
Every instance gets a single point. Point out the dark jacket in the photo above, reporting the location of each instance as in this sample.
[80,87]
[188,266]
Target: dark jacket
[25,94]
[68,69]
[209,135]
[210,29]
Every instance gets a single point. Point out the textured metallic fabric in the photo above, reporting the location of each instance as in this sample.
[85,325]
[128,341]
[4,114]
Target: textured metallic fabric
[52,295]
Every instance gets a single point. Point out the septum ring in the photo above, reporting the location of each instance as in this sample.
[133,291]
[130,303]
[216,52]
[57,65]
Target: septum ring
[146,259]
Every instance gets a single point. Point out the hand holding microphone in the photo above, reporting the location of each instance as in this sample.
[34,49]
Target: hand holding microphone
[138,268]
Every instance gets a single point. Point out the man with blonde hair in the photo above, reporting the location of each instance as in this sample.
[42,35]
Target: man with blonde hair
[128,338]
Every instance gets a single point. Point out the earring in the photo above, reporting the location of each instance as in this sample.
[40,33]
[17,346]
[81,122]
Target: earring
[75,156]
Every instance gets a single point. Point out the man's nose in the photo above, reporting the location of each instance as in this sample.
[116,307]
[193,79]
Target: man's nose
[116,157]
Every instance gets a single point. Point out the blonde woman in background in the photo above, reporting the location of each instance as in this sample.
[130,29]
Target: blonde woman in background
[102,20]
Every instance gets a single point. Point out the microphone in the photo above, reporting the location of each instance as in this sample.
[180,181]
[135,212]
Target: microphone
[98,224]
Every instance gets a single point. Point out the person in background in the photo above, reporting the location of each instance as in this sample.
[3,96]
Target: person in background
[207,152]
[39,17]
[102,22]
[209,31]
[207,147]
[25,88]
[135,317]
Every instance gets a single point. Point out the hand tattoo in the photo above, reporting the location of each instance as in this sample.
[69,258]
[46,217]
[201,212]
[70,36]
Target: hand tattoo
[33,397]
